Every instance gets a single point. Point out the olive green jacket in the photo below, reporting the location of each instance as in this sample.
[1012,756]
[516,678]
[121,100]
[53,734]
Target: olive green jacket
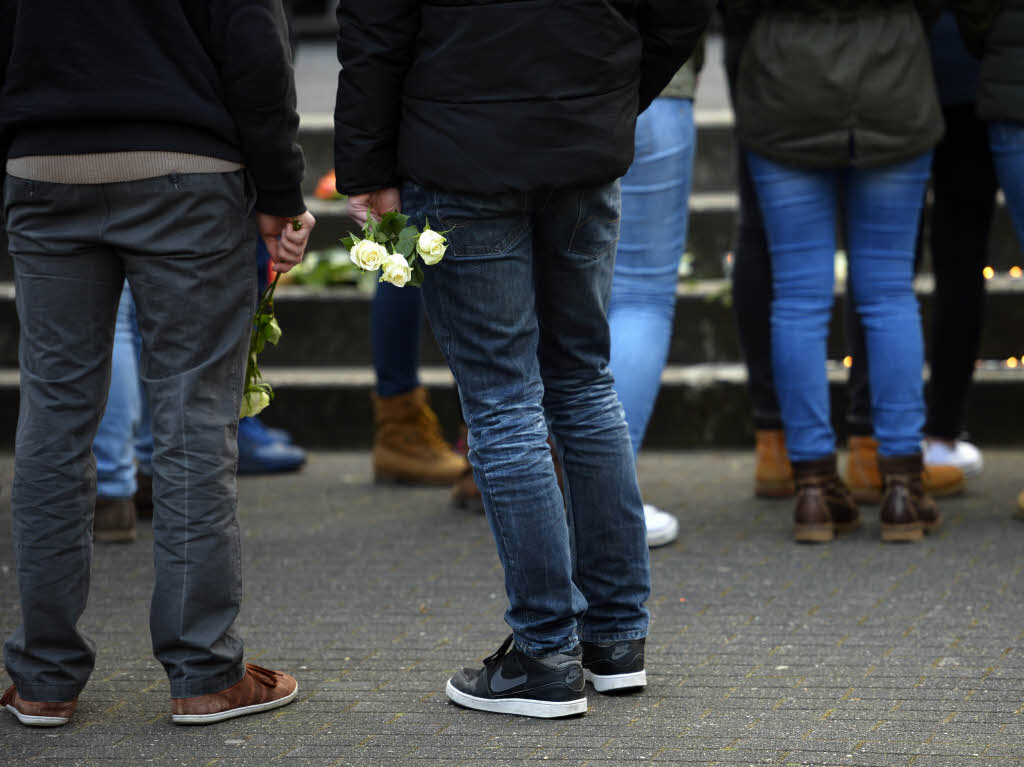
[684,83]
[826,85]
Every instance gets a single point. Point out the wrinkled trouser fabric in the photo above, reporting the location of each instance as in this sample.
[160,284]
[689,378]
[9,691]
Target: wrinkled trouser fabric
[185,242]
[519,308]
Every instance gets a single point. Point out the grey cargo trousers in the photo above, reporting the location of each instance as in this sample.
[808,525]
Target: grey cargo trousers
[186,244]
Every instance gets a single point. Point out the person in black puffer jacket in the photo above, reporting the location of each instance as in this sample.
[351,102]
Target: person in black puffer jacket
[507,125]
[818,111]
[1001,104]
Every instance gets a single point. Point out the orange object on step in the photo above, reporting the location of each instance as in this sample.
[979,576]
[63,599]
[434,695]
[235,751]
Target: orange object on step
[326,188]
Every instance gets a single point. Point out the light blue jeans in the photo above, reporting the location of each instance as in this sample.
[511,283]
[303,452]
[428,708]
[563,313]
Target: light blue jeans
[883,206]
[1007,142]
[655,213]
[519,308]
[113,446]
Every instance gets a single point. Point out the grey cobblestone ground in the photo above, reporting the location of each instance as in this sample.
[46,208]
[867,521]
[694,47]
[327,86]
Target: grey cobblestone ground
[762,652]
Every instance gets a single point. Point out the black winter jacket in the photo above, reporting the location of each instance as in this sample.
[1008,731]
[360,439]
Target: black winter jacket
[488,96]
[1001,86]
[208,77]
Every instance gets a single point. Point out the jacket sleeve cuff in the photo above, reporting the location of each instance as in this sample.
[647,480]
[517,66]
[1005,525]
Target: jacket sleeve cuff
[280,202]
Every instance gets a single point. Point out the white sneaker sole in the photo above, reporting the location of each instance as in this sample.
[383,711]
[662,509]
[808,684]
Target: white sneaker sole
[231,713]
[521,706]
[38,721]
[662,537]
[609,682]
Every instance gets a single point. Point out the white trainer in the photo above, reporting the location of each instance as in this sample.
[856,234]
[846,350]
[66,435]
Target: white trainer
[662,527]
[963,455]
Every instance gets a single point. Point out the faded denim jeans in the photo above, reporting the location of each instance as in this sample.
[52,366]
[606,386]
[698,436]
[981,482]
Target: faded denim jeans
[883,205]
[186,244]
[519,308]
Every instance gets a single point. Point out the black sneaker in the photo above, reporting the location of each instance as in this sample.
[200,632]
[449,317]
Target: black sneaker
[612,666]
[513,683]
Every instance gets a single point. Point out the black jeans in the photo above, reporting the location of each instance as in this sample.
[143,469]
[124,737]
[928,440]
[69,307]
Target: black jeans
[964,185]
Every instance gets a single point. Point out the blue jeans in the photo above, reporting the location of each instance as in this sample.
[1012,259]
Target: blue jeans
[396,316]
[113,446]
[518,307]
[655,212]
[883,208]
[1007,142]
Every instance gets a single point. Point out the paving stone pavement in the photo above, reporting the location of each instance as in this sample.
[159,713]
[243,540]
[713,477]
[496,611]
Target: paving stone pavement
[761,652]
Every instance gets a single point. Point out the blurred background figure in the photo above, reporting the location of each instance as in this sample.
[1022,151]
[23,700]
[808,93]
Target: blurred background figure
[793,117]
[752,297]
[116,487]
[408,445]
[964,188]
[655,214]
[1001,105]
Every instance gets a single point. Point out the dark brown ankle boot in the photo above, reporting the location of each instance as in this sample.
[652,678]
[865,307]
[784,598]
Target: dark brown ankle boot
[907,512]
[824,505]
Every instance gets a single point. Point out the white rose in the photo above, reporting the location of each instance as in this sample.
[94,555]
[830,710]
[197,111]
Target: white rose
[396,271]
[253,402]
[431,246]
[368,255]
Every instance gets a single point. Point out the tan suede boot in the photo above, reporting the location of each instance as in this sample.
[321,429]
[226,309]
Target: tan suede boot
[1020,505]
[907,512]
[408,446]
[824,506]
[773,477]
[865,480]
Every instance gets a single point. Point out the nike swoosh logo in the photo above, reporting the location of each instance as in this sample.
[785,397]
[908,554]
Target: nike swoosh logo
[502,683]
[619,651]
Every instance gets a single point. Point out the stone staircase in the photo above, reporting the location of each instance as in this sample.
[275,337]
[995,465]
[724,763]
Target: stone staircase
[323,375]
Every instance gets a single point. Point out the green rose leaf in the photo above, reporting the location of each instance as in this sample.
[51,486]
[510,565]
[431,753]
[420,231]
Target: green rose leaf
[417,276]
[406,243]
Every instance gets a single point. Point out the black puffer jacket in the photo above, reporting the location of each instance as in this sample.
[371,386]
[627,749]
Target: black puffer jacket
[488,96]
[1001,87]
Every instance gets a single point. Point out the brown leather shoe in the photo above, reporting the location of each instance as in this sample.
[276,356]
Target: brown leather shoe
[906,512]
[408,445]
[114,520]
[38,713]
[260,689]
[824,505]
[143,495]
[865,480]
[773,477]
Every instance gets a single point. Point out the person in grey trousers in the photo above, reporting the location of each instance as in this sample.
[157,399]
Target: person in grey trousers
[141,152]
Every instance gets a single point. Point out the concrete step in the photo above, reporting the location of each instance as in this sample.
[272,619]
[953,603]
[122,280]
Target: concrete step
[699,406]
[330,327]
[711,236]
[710,239]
